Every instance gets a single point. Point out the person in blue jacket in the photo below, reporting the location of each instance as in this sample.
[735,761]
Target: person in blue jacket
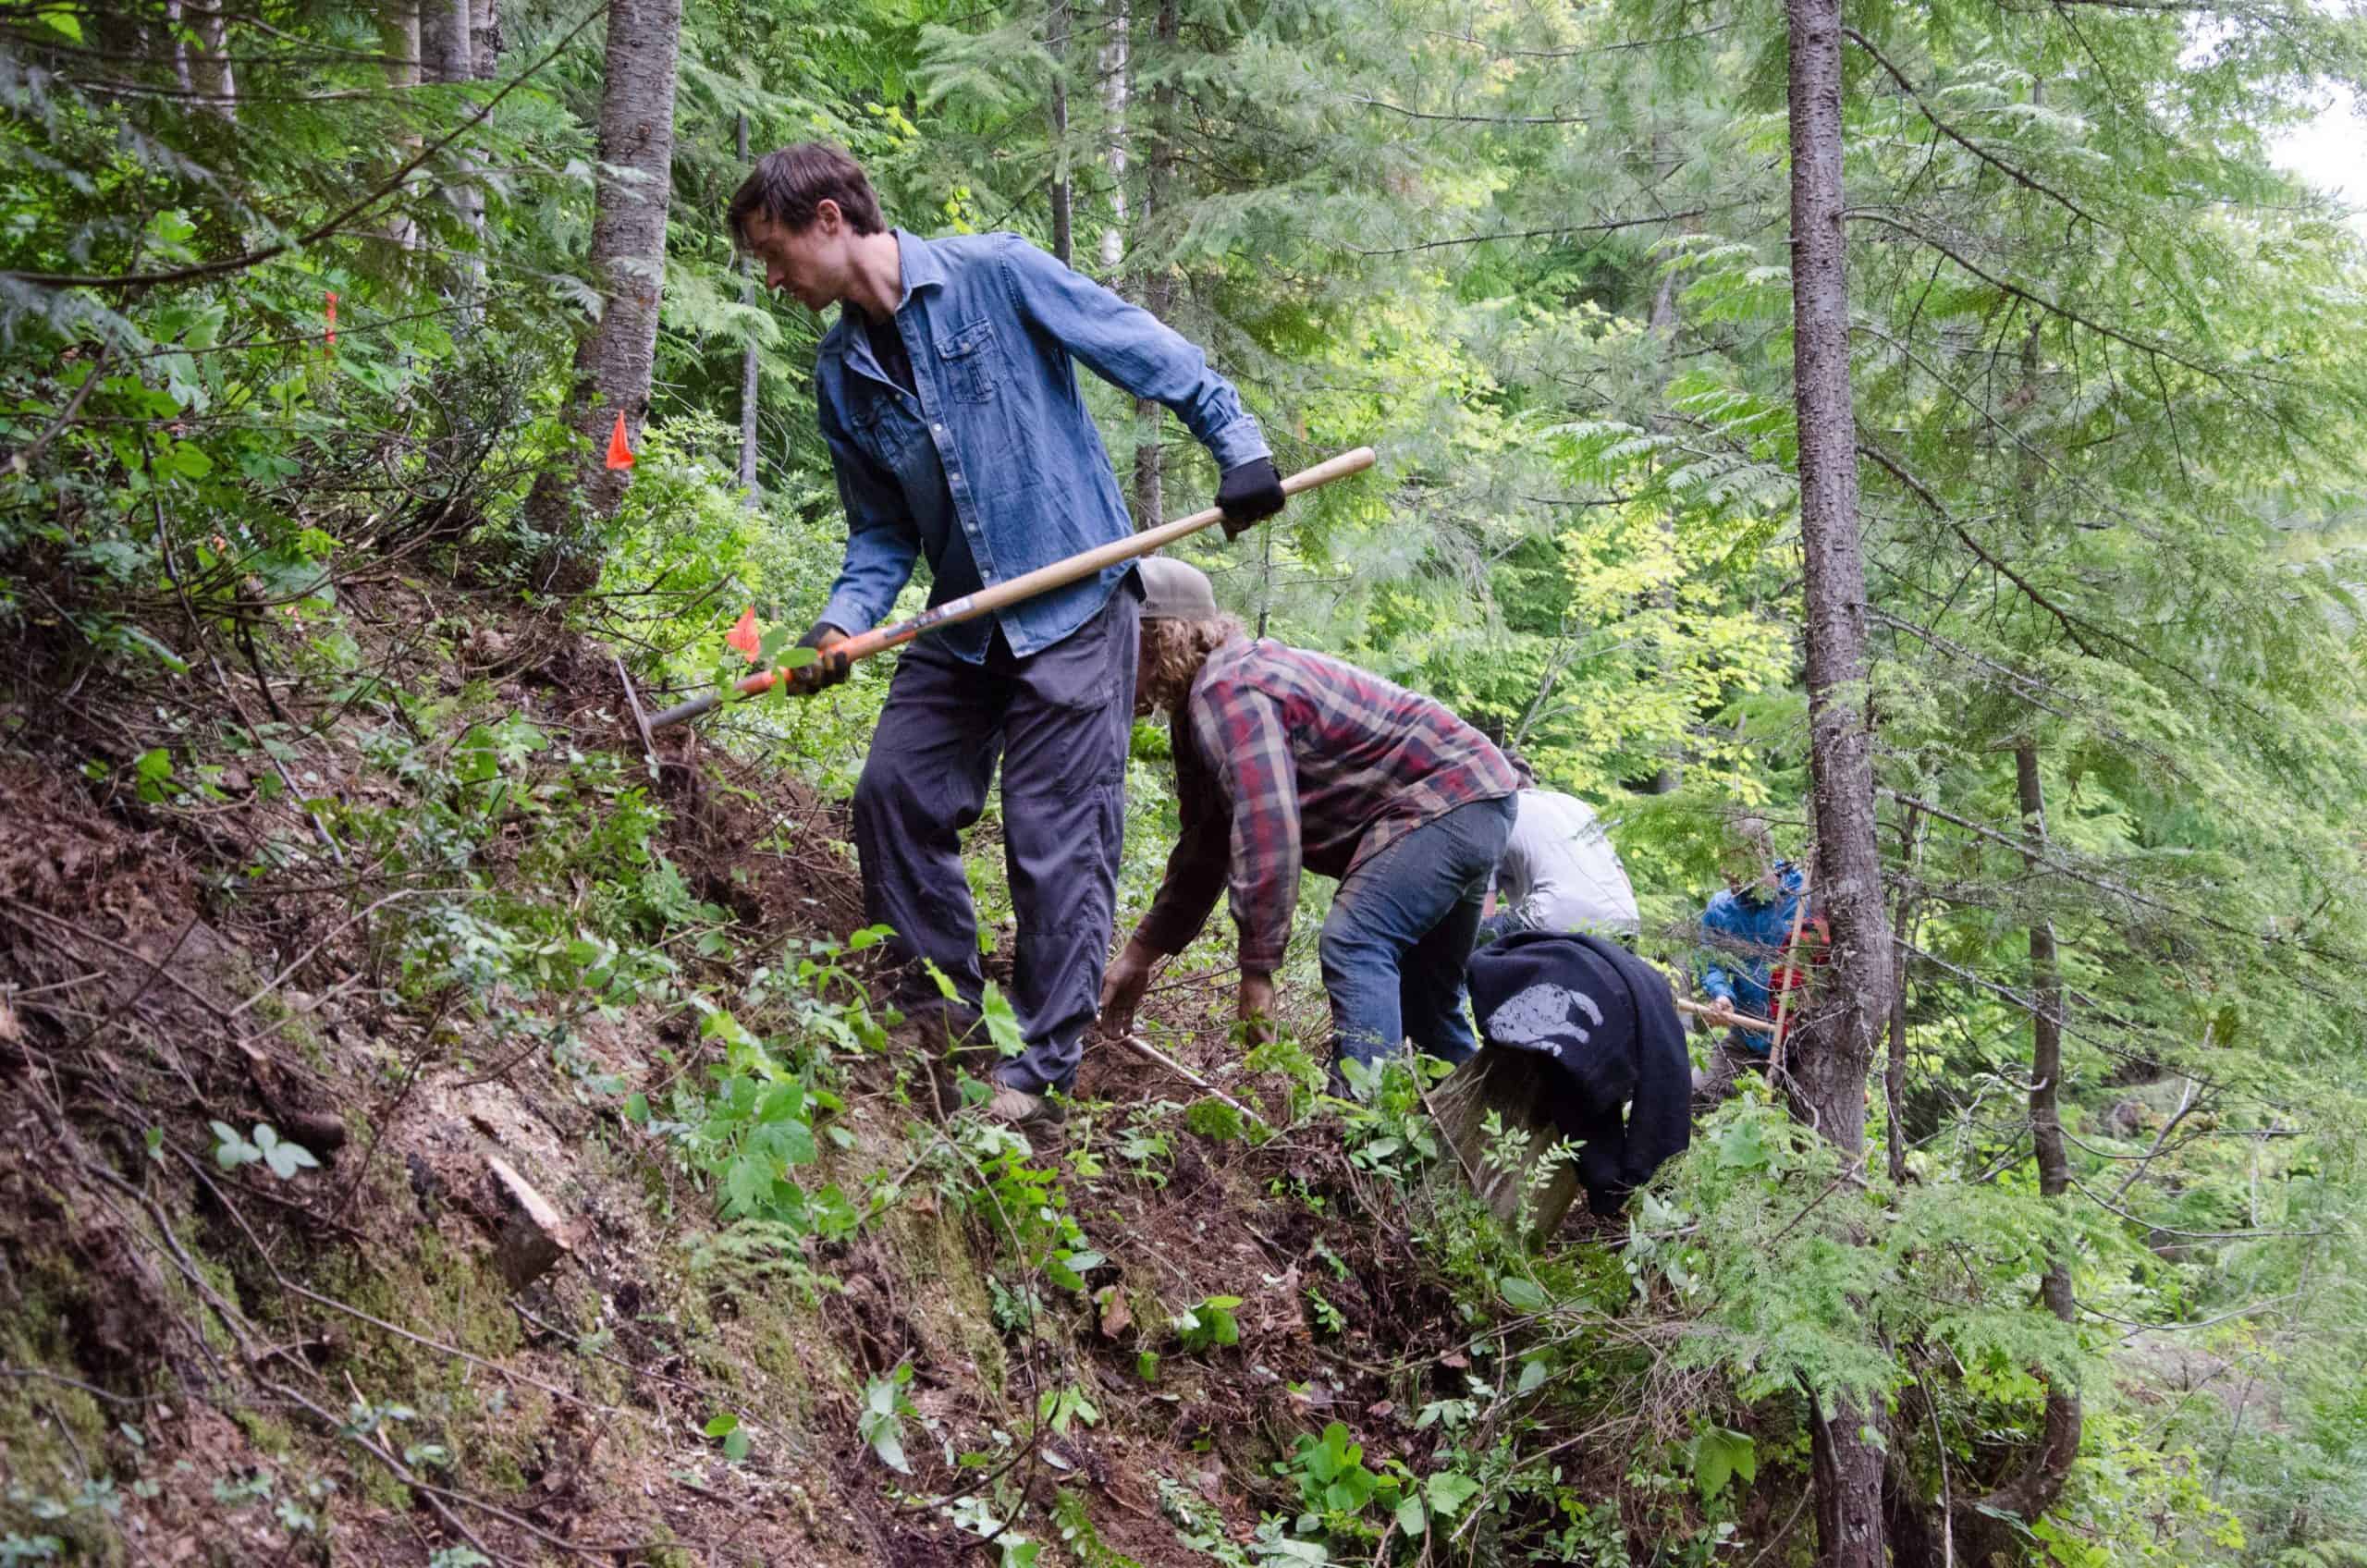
[1742,934]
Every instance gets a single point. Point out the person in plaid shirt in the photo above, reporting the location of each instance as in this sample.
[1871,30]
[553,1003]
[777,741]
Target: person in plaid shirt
[1288,761]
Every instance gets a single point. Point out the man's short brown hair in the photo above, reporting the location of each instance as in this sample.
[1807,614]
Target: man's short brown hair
[787,186]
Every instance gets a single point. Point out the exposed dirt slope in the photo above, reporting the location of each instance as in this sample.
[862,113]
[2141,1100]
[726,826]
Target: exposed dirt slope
[202,1364]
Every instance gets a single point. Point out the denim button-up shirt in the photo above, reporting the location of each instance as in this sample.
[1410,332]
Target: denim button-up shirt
[993,451]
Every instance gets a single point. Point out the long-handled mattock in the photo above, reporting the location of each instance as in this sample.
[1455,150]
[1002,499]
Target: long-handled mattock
[1741,1020]
[1024,586]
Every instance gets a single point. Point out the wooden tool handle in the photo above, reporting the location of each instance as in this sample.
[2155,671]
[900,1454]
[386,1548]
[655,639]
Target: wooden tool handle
[1059,574]
[1742,1020]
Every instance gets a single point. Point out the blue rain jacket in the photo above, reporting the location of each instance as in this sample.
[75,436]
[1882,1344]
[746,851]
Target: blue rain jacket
[1744,936]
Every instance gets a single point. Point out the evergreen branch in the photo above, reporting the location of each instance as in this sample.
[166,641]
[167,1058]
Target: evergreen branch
[2022,1003]
[2112,1207]
[1915,486]
[322,230]
[1468,119]
[2071,623]
[2017,176]
[2028,687]
[2188,1100]
[2149,7]
[240,99]
[2006,433]
[2118,890]
[2049,306]
[1604,227]
[1578,54]
[49,43]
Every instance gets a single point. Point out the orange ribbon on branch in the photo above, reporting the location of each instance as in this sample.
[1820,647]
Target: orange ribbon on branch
[744,637]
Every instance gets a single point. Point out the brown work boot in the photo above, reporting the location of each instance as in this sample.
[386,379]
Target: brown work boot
[1022,1108]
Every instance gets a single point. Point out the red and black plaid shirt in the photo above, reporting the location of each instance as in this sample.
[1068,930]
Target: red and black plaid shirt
[1286,759]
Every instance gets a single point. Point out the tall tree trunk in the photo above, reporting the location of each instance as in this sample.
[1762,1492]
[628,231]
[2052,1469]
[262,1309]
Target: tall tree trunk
[2040,1483]
[446,44]
[614,359]
[208,66]
[748,362]
[398,40]
[1910,841]
[1056,44]
[1117,66]
[1830,1067]
[1670,776]
[484,39]
[1158,278]
[180,46]
[447,54]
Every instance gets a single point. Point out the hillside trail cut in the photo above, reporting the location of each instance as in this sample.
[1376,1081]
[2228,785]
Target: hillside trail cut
[988,600]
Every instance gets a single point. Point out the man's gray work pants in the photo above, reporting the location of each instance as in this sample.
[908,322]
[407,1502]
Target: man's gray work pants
[1058,722]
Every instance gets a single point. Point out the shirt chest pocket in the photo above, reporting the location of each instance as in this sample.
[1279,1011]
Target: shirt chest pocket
[884,426]
[966,355]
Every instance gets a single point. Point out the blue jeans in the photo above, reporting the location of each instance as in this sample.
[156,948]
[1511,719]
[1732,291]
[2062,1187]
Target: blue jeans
[1399,934]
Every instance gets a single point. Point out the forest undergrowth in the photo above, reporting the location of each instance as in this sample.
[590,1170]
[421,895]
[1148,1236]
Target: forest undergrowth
[268,1042]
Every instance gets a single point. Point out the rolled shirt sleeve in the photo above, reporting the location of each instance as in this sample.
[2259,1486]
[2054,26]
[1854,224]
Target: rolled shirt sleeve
[1132,349]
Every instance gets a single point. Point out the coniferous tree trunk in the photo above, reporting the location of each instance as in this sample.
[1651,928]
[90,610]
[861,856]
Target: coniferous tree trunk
[399,39]
[1116,68]
[2035,1490]
[1670,776]
[1056,43]
[484,39]
[748,362]
[1830,1066]
[1157,281]
[447,54]
[2040,1483]
[1895,1069]
[209,66]
[181,45]
[614,359]
[446,42]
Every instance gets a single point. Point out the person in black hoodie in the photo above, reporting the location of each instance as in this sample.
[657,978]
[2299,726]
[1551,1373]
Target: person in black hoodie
[1586,1034]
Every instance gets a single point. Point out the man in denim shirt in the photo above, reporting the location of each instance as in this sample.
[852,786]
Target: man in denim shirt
[946,392]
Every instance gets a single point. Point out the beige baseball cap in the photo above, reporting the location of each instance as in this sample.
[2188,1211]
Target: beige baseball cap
[1172,590]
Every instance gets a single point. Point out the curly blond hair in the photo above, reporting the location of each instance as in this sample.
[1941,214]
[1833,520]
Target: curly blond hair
[1172,653]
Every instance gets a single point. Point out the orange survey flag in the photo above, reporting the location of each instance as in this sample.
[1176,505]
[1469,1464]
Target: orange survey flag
[744,636]
[620,452]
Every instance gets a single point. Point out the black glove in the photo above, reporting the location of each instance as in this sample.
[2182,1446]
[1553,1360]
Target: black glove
[829,667]
[1248,494]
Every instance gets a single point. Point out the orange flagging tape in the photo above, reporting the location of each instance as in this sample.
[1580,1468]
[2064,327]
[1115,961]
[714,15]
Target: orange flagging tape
[744,637]
[620,451]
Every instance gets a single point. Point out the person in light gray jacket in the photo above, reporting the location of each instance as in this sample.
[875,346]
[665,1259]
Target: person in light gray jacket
[1558,872]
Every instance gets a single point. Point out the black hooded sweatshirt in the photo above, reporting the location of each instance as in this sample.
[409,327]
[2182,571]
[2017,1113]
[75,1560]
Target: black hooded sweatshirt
[1606,1023]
